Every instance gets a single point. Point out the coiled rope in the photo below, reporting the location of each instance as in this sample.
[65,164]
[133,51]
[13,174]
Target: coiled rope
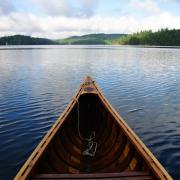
[91,145]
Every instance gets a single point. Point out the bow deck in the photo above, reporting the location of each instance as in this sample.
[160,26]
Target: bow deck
[91,141]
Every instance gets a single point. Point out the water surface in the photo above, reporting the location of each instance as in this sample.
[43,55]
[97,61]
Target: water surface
[37,82]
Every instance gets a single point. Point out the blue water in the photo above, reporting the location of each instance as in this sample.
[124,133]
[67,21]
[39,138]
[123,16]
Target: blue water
[37,82]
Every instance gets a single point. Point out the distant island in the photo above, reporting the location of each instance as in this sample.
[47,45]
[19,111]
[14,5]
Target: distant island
[163,37]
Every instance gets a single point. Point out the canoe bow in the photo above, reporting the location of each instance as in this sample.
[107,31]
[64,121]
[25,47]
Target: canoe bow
[134,150]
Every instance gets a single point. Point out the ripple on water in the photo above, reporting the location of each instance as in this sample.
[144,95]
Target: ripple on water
[37,85]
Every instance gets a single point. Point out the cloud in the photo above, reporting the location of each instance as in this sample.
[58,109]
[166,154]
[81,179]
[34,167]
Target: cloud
[169,1]
[61,26]
[88,7]
[164,20]
[62,18]
[6,7]
[53,7]
[148,6]
[66,8]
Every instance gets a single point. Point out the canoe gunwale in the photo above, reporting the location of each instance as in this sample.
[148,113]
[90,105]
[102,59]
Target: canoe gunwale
[24,172]
[153,164]
[150,159]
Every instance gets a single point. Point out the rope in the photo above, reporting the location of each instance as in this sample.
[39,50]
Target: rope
[91,145]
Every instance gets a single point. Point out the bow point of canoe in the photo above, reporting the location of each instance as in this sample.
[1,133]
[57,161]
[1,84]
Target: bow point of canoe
[90,140]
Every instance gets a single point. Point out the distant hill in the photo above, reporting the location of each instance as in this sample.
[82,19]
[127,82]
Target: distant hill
[91,39]
[163,37]
[25,40]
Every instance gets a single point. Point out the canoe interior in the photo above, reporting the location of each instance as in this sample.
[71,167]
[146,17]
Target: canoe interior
[115,153]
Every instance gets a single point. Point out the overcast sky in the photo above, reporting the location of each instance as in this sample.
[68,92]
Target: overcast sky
[61,18]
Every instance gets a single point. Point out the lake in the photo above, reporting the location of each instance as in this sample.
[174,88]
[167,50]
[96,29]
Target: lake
[37,82]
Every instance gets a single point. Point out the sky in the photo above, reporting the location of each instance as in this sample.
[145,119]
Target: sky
[63,18]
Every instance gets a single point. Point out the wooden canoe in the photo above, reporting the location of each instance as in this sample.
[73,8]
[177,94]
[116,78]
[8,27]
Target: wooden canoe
[90,140]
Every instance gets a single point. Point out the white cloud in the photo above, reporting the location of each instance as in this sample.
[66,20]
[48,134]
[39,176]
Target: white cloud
[53,7]
[6,7]
[164,20]
[169,1]
[88,7]
[85,8]
[60,26]
[148,6]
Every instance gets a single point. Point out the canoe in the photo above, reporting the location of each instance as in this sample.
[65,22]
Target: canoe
[90,140]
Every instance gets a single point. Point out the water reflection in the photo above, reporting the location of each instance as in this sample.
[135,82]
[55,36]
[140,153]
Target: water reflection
[37,84]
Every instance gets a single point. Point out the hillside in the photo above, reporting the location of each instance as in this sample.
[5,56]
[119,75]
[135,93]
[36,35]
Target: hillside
[25,40]
[163,37]
[91,39]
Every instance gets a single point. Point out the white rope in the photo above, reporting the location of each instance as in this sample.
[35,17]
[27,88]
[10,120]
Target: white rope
[91,145]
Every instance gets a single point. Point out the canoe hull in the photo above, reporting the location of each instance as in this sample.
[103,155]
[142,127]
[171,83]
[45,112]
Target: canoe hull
[90,121]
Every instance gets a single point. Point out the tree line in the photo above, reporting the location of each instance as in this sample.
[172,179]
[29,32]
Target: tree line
[25,40]
[163,37]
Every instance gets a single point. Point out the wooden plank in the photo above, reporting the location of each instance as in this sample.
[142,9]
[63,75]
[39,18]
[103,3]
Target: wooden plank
[150,159]
[131,174]
[118,178]
[27,168]
[147,156]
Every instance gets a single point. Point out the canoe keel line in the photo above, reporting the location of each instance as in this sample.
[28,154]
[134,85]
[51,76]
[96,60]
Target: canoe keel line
[90,140]
[91,145]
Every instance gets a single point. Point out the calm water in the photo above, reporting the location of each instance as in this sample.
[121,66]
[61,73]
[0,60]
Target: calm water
[37,82]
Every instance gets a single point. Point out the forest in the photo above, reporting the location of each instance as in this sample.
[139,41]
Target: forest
[91,39]
[25,40]
[163,37]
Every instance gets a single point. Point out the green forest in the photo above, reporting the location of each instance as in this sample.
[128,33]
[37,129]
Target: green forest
[25,40]
[101,39]
[163,37]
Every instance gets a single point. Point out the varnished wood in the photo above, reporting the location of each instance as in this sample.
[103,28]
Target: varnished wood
[120,153]
[122,175]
